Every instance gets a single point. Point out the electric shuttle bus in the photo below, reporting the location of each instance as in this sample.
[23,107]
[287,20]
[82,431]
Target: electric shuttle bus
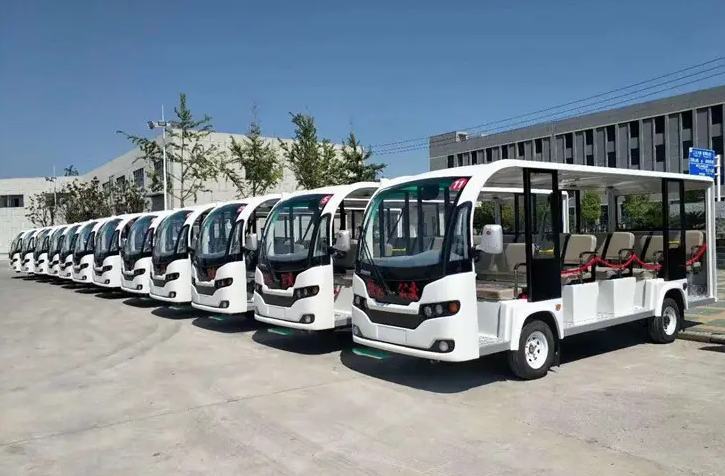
[65,255]
[107,250]
[222,267]
[303,280]
[170,258]
[27,263]
[54,250]
[462,299]
[83,251]
[16,247]
[40,253]
[136,252]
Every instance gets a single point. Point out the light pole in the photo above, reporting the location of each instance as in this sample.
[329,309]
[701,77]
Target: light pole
[162,124]
[55,196]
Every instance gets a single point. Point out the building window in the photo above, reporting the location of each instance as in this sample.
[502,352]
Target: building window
[12,201]
[121,181]
[660,153]
[569,160]
[505,152]
[520,147]
[590,159]
[687,120]
[474,157]
[659,125]
[158,167]
[686,149]
[138,177]
[460,160]
[106,187]
[611,159]
[568,140]
[716,113]
[634,157]
[588,137]
[451,164]
[489,155]
[634,130]
[610,133]
[537,146]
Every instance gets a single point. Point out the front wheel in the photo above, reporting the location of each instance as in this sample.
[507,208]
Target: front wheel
[663,328]
[535,353]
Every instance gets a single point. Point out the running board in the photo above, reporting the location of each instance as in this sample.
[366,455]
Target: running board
[371,353]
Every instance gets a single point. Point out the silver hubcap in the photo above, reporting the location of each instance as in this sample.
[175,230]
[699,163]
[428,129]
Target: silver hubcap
[669,320]
[536,349]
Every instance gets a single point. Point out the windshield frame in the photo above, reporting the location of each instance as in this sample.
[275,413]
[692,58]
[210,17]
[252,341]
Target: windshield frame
[157,257]
[109,230]
[86,244]
[401,279]
[310,258]
[17,244]
[68,237]
[55,239]
[203,259]
[146,222]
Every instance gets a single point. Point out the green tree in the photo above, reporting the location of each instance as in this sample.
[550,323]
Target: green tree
[485,214]
[355,158]
[252,164]
[315,164]
[590,209]
[127,198]
[641,212]
[84,200]
[42,209]
[70,171]
[191,159]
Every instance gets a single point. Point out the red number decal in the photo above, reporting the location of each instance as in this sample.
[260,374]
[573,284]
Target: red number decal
[287,280]
[374,290]
[325,199]
[458,184]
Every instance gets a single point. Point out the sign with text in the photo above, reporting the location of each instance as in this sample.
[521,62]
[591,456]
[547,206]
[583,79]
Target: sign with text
[702,162]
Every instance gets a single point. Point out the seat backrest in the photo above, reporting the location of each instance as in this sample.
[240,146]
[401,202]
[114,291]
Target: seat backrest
[513,254]
[693,238]
[347,261]
[614,243]
[654,246]
[576,245]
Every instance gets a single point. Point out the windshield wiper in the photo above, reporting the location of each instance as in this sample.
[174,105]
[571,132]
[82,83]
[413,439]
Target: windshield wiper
[377,277]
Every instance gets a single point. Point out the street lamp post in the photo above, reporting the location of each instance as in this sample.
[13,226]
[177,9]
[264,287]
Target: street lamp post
[162,124]
[53,179]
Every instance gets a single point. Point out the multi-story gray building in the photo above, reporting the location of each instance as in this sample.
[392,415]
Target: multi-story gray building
[16,193]
[654,135]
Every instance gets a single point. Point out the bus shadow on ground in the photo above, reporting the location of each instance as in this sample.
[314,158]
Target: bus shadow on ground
[176,312]
[142,302]
[714,348]
[304,343]
[24,278]
[112,294]
[87,289]
[228,324]
[455,377]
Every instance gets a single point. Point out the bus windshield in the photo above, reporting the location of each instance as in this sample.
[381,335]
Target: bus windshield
[68,241]
[167,236]
[55,240]
[28,241]
[290,227]
[82,243]
[215,232]
[105,236]
[414,231]
[15,246]
[136,235]
[41,245]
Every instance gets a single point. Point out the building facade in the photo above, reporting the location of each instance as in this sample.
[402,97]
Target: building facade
[15,193]
[654,135]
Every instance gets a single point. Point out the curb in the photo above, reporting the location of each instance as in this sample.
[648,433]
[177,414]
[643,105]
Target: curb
[702,336]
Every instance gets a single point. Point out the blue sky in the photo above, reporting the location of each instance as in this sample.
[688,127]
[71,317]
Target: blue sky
[72,73]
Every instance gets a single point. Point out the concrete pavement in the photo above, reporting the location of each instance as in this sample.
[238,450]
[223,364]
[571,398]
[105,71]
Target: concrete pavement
[96,383]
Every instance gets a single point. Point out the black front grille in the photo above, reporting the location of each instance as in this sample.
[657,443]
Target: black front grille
[205,290]
[159,283]
[274,300]
[395,319]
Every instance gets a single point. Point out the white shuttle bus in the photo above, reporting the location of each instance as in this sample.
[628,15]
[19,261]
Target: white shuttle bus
[462,299]
[54,250]
[16,248]
[83,251]
[40,253]
[27,260]
[67,245]
[136,252]
[303,279]
[170,258]
[107,250]
[222,266]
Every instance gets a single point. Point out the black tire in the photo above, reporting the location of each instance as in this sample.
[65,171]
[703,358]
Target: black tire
[518,358]
[660,328]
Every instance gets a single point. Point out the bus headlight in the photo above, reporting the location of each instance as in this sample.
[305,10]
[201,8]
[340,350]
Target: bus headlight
[359,301]
[307,291]
[107,268]
[440,309]
[172,277]
[223,283]
[139,272]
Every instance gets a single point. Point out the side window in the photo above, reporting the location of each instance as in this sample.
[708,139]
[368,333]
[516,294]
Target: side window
[195,230]
[235,242]
[460,236]
[90,244]
[322,243]
[182,246]
[114,241]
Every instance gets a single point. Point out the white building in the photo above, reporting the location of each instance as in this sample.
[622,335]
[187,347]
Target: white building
[15,193]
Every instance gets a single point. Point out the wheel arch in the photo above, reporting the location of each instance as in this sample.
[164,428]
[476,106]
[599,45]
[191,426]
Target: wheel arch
[547,318]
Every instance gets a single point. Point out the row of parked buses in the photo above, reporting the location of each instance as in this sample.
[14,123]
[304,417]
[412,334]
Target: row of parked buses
[400,264]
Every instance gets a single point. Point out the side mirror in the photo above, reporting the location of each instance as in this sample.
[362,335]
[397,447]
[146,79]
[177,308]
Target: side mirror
[251,243]
[342,241]
[492,240]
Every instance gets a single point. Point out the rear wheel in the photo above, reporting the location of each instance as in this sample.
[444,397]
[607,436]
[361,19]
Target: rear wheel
[535,353]
[663,328]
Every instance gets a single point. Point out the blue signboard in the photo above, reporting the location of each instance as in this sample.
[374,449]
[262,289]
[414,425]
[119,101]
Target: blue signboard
[702,162]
